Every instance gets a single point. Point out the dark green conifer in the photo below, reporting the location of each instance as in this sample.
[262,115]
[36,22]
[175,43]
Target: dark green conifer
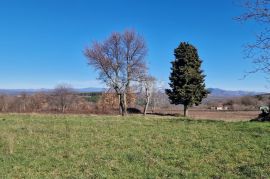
[187,78]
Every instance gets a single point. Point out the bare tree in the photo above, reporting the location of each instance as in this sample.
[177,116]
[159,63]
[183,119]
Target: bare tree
[259,51]
[147,85]
[22,100]
[62,97]
[39,102]
[3,103]
[119,61]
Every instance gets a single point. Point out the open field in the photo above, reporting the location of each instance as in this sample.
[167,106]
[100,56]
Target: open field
[78,146]
[224,115]
[216,115]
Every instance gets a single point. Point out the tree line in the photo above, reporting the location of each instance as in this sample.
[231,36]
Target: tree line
[64,99]
[61,99]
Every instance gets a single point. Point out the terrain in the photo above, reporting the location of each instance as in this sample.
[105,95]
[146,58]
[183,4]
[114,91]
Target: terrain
[81,146]
[223,115]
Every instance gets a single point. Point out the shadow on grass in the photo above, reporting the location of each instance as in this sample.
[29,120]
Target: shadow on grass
[166,114]
[191,120]
[181,118]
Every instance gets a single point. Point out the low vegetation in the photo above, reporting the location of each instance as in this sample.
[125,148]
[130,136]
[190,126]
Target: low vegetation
[78,146]
[242,103]
[66,100]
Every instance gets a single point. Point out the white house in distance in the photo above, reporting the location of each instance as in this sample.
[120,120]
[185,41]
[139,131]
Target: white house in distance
[220,107]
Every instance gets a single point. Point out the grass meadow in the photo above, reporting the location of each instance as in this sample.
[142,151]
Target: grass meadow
[79,146]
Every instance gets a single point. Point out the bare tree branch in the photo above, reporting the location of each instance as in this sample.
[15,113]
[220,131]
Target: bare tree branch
[258,51]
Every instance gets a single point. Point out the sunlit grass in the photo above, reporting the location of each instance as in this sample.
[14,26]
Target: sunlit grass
[77,146]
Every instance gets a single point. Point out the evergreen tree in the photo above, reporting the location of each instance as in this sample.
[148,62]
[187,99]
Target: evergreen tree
[187,78]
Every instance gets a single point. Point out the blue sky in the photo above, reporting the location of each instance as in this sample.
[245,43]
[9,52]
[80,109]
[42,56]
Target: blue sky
[42,41]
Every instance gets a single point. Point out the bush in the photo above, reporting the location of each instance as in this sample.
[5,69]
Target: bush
[134,111]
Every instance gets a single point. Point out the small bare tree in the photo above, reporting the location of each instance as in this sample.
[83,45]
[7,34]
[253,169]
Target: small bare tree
[3,103]
[23,101]
[259,51]
[119,61]
[62,97]
[39,102]
[147,85]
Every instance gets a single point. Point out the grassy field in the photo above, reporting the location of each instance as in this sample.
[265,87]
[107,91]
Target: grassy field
[58,146]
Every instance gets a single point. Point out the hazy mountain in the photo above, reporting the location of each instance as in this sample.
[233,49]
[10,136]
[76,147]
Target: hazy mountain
[33,91]
[19,91]
[214,92]
[228,93]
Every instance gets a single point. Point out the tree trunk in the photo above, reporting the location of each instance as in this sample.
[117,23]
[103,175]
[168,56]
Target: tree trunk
[146,105]
[63,109]
[119,99]
[154,106]
[185,110]
[123,104]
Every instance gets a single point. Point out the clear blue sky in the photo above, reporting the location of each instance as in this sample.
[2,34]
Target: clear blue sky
[41,41]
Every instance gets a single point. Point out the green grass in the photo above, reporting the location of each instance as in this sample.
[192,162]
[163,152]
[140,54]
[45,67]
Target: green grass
[58,146]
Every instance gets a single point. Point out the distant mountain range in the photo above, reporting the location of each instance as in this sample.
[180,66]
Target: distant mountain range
[214,92]
[228,93]
[45,90]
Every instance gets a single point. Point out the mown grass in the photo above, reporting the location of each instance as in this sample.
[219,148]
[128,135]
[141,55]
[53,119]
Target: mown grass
[59,146]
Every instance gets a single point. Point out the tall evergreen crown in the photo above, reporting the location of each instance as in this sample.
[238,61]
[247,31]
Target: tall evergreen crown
[187,78]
